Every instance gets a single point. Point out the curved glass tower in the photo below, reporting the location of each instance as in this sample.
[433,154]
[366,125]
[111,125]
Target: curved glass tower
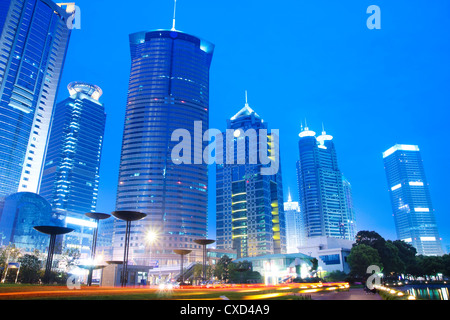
[168,90]
[33,42]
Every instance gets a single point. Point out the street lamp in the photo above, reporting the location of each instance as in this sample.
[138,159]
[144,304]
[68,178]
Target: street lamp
[97,216]
[182,253]
[204,243]
[128,217]
[53,232]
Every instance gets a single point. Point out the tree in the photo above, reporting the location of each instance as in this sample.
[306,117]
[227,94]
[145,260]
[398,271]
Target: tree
[430,265]
[361,257]
[29,269]
[69,258]
[407,253]
[315,265]
[390,258]
[389,252]
[221,271]
[8,254]
[370,238]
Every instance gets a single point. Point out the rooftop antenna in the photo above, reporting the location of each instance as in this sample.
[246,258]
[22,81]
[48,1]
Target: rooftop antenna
[174,13]
[246,98]
[323,129]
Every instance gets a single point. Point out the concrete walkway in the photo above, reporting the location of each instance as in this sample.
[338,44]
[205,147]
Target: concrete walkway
[351,294]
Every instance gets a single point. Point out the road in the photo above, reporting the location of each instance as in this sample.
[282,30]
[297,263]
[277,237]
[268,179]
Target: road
[351,294]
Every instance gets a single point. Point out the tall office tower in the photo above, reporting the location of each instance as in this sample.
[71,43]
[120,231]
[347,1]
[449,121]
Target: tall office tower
[168,90]
[321,190]
[294,226]
[410,198]
[249,205]
[71,171]
[33,44]
[351,215]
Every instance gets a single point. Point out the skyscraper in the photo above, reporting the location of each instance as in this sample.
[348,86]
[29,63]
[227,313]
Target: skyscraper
[351,215]
[168,90]
[71,171]
[249,205]
[413,211]
[294,226]
[321,189]
[33,43]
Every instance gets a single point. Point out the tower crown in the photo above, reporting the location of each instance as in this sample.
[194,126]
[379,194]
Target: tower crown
[88,89]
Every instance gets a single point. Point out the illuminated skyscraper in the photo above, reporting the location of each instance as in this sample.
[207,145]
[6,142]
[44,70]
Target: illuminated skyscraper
[168,90]
[294,226]
[413,211]
[33,42]
[321,188]
[351,215]
[71,171]
[249,205]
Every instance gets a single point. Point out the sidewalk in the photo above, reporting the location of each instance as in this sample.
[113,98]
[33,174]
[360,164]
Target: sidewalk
[351,294]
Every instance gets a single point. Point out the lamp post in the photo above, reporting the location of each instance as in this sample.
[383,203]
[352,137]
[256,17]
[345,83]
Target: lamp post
[204,243]
[97,216]
[53,232]
[128,217]
[182,253]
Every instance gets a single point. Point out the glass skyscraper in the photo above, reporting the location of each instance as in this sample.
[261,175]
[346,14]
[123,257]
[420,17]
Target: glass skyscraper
[321,189]
[33,41]
[413,211]
[168,90]
[351,215]
[249,205]
[294,226]
[71,171]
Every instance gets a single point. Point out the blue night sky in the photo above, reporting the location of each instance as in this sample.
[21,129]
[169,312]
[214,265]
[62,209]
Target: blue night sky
[297,59]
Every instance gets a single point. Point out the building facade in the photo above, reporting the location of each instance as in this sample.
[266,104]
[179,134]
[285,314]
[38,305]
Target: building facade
[294,226]
[331,253]
[321,190]
[33,42]
[70,177]
[249,205]
[279,268]
[412,208]
[22,211]
[168,91]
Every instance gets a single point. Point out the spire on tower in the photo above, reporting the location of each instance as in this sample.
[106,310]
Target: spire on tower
[305,132]
[174,14]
